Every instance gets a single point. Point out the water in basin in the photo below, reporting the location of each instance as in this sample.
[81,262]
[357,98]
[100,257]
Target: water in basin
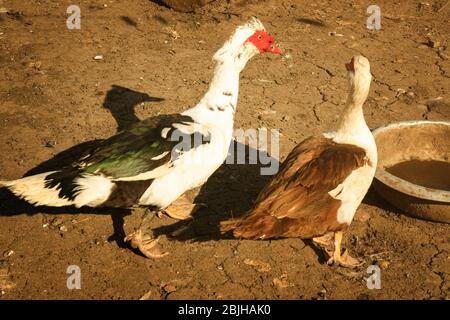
[430,173]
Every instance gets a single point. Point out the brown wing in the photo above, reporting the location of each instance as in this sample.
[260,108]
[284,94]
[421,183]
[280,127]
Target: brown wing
[296,202]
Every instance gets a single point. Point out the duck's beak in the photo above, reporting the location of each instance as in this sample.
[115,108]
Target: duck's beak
[274,49]
[351,65]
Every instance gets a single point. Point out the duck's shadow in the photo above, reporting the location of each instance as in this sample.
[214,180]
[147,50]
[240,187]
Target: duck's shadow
[120,101]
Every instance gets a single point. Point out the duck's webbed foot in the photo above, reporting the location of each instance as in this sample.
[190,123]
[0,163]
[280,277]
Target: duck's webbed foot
[146,244]
[344,260]
[143,239]
[326,243]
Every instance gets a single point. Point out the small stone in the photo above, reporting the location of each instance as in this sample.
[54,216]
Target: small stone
[168,288]
[384,264]
[57,222]
[436,99]
[146,296]
[35,65]
[278,81]
[260,266]
[344,22]
[281,282]
[335,34]
[400,91]
[8,253]
[63,228]
[174,34]
[50,144]
[285,118]
[98,57]
[432,43]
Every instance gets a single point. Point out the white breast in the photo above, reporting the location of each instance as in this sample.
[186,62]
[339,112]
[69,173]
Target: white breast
[190,170]
[352,191]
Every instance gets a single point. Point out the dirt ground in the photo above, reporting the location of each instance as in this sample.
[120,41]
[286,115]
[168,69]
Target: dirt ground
[56,97]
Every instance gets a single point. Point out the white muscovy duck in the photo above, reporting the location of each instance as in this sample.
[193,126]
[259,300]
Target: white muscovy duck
[158,159]
[322,181]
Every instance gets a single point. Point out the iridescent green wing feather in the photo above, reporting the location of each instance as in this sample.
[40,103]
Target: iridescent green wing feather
[142,148]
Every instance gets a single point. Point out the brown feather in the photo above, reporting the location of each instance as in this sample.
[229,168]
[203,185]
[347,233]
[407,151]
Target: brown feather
[296,202]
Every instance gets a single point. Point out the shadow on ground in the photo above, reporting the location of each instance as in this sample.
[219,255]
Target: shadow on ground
[121,102]
[229,192]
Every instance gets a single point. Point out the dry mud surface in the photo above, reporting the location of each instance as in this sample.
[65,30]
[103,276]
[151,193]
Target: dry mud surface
[55,96]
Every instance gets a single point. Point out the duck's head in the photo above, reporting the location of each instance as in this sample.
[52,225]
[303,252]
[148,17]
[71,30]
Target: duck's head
[247,41]
[359,78]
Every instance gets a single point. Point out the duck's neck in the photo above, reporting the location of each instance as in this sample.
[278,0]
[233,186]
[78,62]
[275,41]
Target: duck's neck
[352,127]
[223,89]
[218,105]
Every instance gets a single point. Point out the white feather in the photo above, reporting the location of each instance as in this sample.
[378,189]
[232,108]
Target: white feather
[190,170]
[90,190]
[352,191]
[162,155]
[33,190]
[93,190]
[164,132]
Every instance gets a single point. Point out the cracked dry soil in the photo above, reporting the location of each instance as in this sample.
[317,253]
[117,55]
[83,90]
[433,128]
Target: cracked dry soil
[55,96]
